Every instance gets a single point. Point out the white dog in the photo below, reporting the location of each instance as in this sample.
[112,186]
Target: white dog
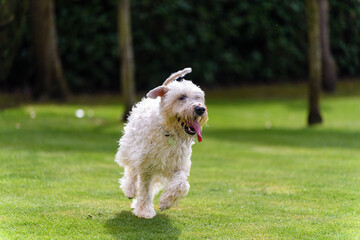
[155,148]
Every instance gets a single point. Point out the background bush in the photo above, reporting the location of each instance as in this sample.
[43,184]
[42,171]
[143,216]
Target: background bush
[227,42]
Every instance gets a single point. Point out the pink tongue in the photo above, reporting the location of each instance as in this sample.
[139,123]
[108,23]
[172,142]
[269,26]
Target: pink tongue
[197,128]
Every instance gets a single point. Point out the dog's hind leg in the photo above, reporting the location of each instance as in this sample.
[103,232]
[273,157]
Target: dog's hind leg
[177,187]
[129,182]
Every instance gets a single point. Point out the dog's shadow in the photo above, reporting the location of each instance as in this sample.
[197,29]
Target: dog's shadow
[127,226]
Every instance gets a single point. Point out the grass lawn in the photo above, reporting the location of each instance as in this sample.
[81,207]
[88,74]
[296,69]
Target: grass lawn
[260,173]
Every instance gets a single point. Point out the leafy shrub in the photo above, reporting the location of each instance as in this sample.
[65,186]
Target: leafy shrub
[226,42]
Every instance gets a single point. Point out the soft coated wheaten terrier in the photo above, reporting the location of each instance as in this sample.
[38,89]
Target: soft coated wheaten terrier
[155,148]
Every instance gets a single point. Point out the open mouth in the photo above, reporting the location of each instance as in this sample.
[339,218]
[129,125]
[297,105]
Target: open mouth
[187,129]
[191,128]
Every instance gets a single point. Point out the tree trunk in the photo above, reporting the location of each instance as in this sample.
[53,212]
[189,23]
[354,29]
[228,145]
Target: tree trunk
[12,20]
[329,78]
[313,20]
[51,82]
[126,56]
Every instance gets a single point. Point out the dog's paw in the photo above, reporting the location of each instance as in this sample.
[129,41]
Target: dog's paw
[166,202]
[172,195]
[130,196]
[165,206]
[129,191]
[147,213]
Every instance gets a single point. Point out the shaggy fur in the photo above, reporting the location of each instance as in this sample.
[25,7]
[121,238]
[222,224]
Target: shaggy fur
[155,148]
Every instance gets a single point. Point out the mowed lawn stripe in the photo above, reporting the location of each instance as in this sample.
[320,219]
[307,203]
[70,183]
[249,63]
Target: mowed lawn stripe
[260,173]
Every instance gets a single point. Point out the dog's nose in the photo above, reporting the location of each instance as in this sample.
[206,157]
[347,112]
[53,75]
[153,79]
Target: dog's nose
[199,110]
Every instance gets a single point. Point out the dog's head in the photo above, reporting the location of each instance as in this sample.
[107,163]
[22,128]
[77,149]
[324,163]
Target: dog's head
[182,104]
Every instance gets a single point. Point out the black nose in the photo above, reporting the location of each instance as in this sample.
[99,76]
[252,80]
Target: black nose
[199,110]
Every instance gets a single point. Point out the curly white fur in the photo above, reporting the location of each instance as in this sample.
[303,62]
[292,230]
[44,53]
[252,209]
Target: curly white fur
[155,149]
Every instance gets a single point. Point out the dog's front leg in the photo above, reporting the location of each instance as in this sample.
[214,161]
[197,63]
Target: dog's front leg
[143,207]
[129,182]
[177,187]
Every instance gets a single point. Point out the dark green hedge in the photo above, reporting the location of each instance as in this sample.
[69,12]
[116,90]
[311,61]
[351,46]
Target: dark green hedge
[226,42]
[12,20]
[345,35]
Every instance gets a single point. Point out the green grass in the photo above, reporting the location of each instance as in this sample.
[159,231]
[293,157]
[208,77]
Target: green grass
[260,173]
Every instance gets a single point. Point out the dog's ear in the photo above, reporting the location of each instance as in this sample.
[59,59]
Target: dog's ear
[177,74]
[158,91]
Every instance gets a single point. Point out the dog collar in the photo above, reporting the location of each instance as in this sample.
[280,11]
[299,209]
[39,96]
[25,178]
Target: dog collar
[169,135]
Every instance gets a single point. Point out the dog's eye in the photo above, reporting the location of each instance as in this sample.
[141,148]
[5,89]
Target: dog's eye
[182,97]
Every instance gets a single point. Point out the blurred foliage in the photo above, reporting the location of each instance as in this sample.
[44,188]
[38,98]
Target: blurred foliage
[345,35]
[12,19]
[226,42]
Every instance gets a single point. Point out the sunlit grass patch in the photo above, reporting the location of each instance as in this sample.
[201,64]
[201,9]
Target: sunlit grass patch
[260,173]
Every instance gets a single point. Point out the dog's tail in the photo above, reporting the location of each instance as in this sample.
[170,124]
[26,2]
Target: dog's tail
[175,75]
